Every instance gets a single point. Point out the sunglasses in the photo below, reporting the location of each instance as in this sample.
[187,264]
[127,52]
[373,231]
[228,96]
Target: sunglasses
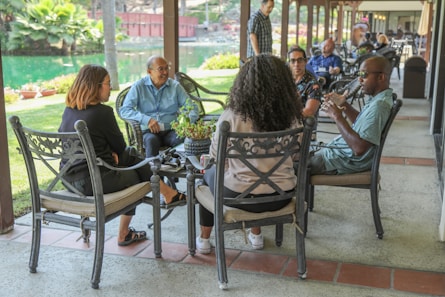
[365,74]
[298,60]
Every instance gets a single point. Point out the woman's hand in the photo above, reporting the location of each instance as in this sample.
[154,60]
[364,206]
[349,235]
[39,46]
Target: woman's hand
[115,158]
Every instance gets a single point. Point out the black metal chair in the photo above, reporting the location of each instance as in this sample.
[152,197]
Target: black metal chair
[279,146]
[197,92]
[133,128]
[352,86]
[51,202]
[363,180]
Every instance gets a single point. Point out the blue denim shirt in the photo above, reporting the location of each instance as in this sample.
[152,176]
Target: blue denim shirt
[144,102]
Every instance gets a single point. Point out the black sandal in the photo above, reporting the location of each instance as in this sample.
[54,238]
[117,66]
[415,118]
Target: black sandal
[133,236]
[178,199]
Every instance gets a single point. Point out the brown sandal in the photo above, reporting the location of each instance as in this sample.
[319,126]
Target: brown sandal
[133,236]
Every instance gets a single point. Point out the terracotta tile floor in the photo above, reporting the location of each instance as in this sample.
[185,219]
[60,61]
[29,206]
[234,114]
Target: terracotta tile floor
[412,281]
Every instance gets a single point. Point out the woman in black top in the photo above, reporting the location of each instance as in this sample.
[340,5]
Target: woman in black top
[84,102]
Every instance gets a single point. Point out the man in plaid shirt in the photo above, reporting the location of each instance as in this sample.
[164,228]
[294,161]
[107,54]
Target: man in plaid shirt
[259,30]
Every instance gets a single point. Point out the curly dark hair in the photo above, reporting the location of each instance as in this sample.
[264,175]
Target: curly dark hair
[265,93]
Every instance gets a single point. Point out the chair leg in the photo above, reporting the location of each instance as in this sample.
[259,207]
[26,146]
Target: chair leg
[278,234]
[35,245]
[98,254]
[221,259]
[311,197]
[155,190]
[376,211]
[301,255]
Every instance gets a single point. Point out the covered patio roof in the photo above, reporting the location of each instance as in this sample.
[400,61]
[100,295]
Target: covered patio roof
[171,52]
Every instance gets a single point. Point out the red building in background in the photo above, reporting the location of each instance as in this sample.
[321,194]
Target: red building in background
[139,24]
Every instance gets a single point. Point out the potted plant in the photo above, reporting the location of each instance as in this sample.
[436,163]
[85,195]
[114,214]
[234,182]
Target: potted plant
[196,134]
[29,91]
[48,88]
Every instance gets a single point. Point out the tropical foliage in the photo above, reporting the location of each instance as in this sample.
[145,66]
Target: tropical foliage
[43,24]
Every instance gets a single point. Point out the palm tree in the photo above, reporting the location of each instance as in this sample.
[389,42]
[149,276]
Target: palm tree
[108,16]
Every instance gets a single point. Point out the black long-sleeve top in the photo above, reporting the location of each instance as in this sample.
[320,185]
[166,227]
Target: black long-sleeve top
[102,126]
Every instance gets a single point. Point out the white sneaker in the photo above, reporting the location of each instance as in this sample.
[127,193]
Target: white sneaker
[257,241]
[203,245]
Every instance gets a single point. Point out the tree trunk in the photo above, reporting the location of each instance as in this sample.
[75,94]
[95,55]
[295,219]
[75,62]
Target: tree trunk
[183,8]
[108,16]
[93,9]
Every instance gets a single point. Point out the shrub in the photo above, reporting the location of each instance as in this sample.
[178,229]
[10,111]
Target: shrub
[63,83]
[221,61]
[11,96]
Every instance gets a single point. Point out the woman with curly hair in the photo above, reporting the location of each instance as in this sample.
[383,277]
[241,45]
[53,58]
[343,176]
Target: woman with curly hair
[262,99]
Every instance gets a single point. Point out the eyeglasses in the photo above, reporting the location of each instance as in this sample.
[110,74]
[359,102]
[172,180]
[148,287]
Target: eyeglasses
[364,74]
[298,60]
[162,69]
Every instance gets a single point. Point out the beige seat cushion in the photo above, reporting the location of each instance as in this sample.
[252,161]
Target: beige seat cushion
[113,202]
[361,178]
[232,214]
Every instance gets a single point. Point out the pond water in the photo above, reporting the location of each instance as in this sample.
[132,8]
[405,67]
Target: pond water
[19,70]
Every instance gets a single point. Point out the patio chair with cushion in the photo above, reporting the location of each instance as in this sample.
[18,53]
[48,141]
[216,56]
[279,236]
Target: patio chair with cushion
[279,146]
[52,202]
[363,180]
[197,92]
[133,128]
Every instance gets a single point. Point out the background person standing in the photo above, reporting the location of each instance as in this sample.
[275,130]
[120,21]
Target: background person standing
[259,30]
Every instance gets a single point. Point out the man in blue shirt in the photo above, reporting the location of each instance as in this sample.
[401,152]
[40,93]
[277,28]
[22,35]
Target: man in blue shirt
[259,30]
[327,64]
[353,150]
[154,102]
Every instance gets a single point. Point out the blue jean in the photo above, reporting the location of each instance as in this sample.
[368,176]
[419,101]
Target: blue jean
[153,142]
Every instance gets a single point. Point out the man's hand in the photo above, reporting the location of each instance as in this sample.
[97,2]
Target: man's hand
[332,110]
[153,126]
[336,98]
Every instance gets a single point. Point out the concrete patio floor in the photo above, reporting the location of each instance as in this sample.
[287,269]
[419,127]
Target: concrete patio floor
[344,256]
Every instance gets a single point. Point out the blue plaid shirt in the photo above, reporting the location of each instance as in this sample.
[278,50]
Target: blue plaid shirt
[260,25]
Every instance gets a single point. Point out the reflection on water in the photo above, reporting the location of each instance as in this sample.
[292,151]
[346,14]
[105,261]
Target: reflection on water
[19,70]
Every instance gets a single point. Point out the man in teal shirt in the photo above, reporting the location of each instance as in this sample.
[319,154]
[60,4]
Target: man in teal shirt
[353,150]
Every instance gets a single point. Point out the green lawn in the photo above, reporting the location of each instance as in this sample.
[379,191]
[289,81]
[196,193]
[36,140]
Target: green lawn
[45,114]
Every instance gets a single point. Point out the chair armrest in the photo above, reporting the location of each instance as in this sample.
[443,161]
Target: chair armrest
[144,162]
[195,162]
[210,100]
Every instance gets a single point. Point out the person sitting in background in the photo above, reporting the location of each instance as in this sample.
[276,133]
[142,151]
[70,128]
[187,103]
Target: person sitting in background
[353,150]
[382,42]
[364,51]
[154,102]
[262,99]
[327,64]
[307,85]
[84,101]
